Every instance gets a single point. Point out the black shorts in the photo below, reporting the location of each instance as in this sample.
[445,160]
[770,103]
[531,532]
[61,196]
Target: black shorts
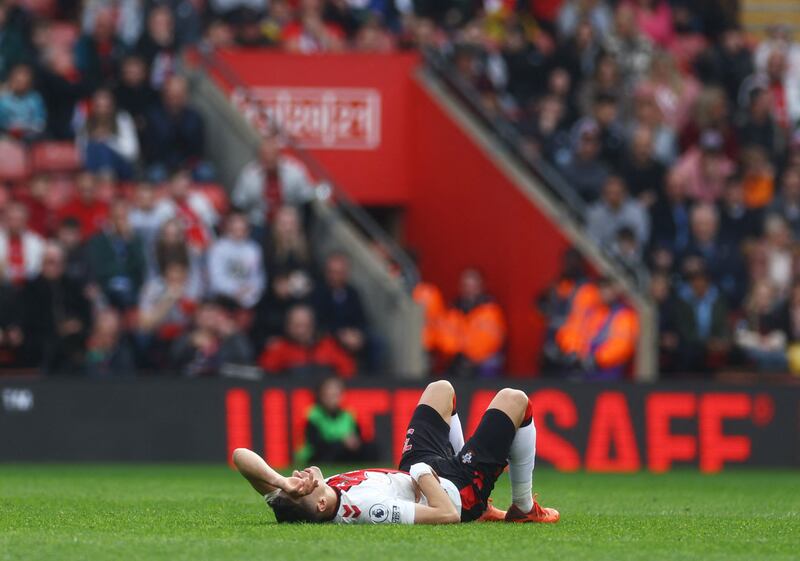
[475,468]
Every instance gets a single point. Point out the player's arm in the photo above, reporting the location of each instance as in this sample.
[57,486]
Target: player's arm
[440,509]
[265,480]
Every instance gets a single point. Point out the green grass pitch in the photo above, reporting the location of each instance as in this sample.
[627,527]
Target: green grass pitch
[207,512]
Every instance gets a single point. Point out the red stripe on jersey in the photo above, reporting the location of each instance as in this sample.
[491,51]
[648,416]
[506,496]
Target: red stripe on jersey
[344,481]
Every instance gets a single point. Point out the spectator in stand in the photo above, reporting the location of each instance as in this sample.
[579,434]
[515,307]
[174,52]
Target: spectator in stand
[174,134]
[701,324]
[758,177]
[287,248]
[310,33]
[42,217]
[22,110]
[599,337]
[134,93]
[272,181]
[662,293]
[214,342]
[146,221]
[787,202]
[584,170]
[596,12]
[166,309]
[62,88]
[21,250]
[235,267]
[340,310]
[647,114]
[631,49]
[99,51]
[705,168]
[759,336]
[775,258]
[614,211]
[738,223]
[654,19]
[12,339]
[159,45]
[757,125]
[722,261]
[728,62]
[76,262]
[171,245]
[57,317]
[473,333]
[193,209]
[107,140]
[12,41]
[711,113]
[85,206]
[331,432]
[612,138]
[116,259]
[229,9]
[109,353]
[674,93]
[290,264]
[605,81]
[785,94]
[642,172]
[303,351]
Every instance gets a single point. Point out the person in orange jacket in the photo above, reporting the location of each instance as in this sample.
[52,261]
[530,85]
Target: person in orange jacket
[598,340]
[430,299]
[473,332]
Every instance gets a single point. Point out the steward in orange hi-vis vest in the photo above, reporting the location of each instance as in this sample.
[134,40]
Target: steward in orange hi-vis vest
[600,333]
[429,297]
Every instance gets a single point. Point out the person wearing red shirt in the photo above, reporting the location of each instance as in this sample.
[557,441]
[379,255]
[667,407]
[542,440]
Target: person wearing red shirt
[303,351]
[85,207]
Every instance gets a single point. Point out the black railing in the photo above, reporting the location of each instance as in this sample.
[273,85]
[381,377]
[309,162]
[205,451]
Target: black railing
[509,136]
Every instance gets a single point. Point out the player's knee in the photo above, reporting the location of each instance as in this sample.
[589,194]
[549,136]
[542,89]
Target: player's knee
[441,387]
[517,399]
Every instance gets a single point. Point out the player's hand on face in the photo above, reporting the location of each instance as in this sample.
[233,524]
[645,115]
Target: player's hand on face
[300,484]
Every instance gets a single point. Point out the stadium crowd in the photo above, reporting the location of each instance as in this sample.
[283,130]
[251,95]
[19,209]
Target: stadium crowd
[119,253]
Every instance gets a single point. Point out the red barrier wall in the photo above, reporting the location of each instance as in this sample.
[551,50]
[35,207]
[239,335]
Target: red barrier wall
[461,209]
[464,211]
[376,176]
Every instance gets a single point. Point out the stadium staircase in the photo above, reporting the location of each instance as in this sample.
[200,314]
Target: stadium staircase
[385,278]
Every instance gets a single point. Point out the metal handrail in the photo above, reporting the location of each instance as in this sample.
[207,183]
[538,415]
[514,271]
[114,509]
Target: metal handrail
[507,133]
[357,215]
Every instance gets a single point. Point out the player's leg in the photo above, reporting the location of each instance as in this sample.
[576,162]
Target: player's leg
[441,396]
[434,428]
[506,435]
[521,458]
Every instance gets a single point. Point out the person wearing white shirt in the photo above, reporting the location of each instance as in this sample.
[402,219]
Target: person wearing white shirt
[235,266]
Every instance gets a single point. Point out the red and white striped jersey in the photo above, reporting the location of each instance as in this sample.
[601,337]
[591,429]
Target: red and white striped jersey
[379,496]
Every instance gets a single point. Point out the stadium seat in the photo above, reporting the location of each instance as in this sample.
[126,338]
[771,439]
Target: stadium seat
[40,8]
[14,164]
[216,194]
[55,157]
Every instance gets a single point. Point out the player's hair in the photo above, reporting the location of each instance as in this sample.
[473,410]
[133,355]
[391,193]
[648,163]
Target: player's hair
[289,511]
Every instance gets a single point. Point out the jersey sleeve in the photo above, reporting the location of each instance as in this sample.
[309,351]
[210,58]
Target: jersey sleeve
[391,511]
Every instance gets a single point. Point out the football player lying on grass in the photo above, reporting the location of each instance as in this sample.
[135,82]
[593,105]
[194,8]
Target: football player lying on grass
[435,485]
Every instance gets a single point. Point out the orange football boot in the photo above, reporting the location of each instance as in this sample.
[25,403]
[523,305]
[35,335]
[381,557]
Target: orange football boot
[537,514]
[492,514]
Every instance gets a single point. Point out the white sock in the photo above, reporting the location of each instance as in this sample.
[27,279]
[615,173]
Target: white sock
[520,466]
[456,433]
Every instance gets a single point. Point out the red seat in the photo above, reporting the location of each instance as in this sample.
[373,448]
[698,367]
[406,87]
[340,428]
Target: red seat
[13,161]
[58,157]
[216,196]
[41,8]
